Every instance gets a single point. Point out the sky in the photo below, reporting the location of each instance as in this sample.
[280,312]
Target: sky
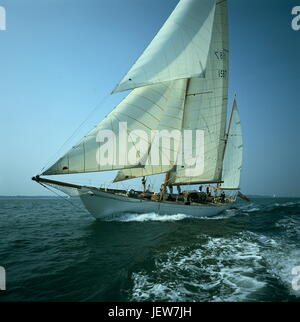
[60,60]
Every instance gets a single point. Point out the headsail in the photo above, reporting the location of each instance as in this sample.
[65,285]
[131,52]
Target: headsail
[178,51]
[234,153]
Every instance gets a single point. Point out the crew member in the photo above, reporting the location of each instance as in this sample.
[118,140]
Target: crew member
[162,192]
[208,191]
[223,196]
[144,183]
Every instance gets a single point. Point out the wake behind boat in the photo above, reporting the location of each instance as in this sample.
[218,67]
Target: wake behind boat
[173,122]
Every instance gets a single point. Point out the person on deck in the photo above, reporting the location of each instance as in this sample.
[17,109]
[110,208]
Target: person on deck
[170,189]
[223,196]
[144,183]
[208,191]
[178,189]
[162,192]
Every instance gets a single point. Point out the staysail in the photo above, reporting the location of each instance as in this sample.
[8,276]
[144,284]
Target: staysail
[233,158]
[179,50]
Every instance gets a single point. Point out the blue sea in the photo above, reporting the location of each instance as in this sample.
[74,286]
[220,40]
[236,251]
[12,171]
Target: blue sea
[53,250]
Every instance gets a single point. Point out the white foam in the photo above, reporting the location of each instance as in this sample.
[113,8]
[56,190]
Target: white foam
[283,255]
[228,213]
[252,210]
[287,204]
[149,217]
[281,266]
[218,270]
[290,225]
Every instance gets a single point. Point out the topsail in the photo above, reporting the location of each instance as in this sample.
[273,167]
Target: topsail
[179,50]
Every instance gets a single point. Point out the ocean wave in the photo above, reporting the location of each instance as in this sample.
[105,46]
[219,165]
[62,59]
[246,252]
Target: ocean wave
[287,204]
[290,226]
[280,256]
[251,210]
[270,208]
[221,269]
[283,206]
[224,215]
[280,263]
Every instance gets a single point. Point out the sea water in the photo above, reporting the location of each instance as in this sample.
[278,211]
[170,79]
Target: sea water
[53,250]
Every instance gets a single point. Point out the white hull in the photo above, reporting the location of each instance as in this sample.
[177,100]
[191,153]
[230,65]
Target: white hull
[104,205]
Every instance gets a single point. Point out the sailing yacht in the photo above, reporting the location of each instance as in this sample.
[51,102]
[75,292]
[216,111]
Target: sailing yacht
[179,83]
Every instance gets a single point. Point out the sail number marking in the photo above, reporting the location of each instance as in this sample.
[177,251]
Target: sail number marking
[222,73]
[220,54]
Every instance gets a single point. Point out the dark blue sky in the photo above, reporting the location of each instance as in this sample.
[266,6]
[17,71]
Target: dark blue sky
[60,58]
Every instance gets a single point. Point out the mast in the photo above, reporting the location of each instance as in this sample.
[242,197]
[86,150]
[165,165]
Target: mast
[228,129]
[167,178]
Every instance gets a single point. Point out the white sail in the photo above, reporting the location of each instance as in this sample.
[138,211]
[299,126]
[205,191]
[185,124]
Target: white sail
[206,107]
[164,147]
[179,50]
[123,138]
[233,158]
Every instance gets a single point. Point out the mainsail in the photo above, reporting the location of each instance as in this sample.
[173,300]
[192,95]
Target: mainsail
[206,105]
[233,158]
[180,82]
